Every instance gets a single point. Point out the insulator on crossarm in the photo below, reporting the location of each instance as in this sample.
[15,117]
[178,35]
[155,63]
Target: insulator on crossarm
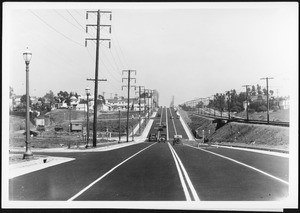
[109,29]
[85,43]
[110,17]
[109,45]
[87,16]
[86,29]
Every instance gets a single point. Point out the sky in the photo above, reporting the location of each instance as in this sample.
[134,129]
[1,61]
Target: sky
[183,50]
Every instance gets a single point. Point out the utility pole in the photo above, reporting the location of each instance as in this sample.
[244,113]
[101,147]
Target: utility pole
[228,101]
[95,112]
[267,79]
[140,109]
[98,39]
[148,90]
[128,87]
[247,100]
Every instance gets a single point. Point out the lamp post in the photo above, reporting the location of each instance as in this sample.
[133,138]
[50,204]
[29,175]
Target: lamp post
[87,90]
[27,57]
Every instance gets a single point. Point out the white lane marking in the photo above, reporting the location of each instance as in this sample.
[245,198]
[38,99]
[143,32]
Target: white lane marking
[93,183]
[238,162]
[167,124]
[284,155]
[185,190]
[195,195]
[173,122]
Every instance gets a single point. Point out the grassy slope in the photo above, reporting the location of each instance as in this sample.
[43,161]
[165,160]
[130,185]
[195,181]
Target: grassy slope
[242,134]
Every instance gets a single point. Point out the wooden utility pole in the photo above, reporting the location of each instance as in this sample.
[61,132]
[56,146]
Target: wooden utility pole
[95,113]
[228,102]
[267,78]
[247,100]
[140,109]
[98,39]
[128,94]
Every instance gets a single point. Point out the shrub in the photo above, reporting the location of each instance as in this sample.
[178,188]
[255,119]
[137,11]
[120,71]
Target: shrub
[262,108]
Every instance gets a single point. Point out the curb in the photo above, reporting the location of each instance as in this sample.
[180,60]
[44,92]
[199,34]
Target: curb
[258,148]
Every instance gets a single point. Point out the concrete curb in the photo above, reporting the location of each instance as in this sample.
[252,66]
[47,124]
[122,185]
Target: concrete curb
[257,148]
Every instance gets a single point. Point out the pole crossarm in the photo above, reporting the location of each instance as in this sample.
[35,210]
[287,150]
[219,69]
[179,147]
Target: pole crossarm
[92,79]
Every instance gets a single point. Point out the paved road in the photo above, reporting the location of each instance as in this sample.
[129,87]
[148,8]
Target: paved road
[151,171]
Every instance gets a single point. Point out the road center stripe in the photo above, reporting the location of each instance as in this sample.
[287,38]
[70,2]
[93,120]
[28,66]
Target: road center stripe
[194,193]
[185,190]
[187,178]
[93,183]
[238,162]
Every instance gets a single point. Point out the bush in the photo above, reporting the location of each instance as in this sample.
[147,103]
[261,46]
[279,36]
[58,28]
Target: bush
[251,110]
[262,108]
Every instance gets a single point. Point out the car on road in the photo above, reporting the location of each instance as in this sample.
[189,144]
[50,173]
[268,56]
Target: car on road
[152,137]
[163,124]
[171,117]
[178,116]
[162,138]
[177,139]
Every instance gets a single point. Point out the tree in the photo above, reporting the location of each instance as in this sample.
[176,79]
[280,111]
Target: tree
[220,102]
[253,91]
[50,97]
[11,92]
[200,104]
[23,101]
[259,92]
[64,97]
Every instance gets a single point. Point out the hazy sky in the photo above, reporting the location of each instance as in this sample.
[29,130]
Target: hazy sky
[186,50]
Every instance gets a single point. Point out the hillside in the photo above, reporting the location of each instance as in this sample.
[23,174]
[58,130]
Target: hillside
[232,133]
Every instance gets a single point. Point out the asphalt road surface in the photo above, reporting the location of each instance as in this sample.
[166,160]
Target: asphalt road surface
[152,171]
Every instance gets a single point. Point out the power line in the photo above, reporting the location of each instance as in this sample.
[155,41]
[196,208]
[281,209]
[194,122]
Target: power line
[56,29]
[67,20]
[76,20]
[115,35]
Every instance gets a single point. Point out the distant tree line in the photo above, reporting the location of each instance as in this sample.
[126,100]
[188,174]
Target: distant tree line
[233,102]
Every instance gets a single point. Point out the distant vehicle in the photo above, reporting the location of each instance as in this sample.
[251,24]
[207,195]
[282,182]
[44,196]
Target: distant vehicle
[160,128]
[163,124]
[152,137]
[171,117]
[178,117]
[177,139]
[162,138]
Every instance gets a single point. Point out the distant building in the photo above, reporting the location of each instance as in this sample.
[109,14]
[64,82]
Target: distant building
[285,103]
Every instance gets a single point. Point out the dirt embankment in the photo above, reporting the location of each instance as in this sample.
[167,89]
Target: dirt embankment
[254,135]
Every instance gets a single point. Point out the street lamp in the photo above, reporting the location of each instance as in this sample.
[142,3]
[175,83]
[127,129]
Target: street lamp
[87,91]
[27,57]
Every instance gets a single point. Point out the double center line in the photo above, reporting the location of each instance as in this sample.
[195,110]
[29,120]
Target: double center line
[188,188]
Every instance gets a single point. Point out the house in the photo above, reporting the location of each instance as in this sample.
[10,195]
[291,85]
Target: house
[122,104]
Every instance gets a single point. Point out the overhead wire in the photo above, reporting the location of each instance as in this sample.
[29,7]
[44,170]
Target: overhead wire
[67,20]
[76,20]
[56,29]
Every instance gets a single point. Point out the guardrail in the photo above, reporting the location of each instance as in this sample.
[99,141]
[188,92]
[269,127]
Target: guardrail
[242,120]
